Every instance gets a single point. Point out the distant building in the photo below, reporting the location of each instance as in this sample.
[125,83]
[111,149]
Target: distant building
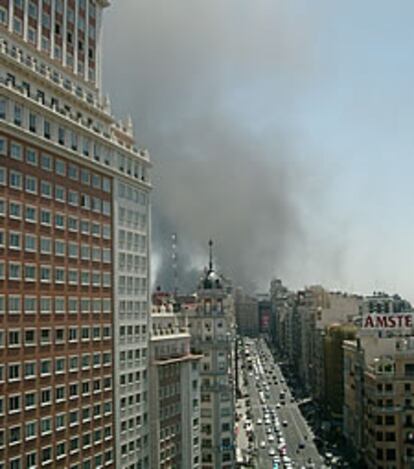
[174,384]
[247,314]
[264,307]
[282,303]
[333,380]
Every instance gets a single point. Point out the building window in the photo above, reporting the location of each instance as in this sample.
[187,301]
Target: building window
[73,172]
[14,401]
[46,455]
[31,184]
[14,304]
[15,435]
[60,421]
[46,189]
[59,365]
[15,210]
[3,176]
[45,276]
[61,133]
[45,217]
[31,156]
[30,431]
[60,221]
[46,162]
[30,214]
[3,15]
[30,243]
[46,397]
[16,180]
[30,370]
[45,245]
[31,460]
[14,240]
[16,151]
[14,338]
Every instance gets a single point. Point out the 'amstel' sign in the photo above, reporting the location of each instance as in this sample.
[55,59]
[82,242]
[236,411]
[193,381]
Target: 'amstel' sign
[387,321]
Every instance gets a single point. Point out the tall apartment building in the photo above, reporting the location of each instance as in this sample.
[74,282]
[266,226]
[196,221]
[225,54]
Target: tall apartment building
[378,389]
[212,328]
[174,375]
[382,428]
[74,248]
[283,303]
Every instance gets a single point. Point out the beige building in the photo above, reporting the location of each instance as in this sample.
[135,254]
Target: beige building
[378,405]
[317,309]
[174,383]
[211,320]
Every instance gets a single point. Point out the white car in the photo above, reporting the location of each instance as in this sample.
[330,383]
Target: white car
[259,422]
[270,438]
[272,452]
[262,444]
[285,423]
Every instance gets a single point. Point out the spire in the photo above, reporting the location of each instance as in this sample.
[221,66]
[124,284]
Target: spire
[210,243]
[129,125]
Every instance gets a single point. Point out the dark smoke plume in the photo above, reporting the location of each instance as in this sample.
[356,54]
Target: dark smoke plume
[211,87]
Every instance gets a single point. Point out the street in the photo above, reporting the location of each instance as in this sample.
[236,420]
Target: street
[281,434]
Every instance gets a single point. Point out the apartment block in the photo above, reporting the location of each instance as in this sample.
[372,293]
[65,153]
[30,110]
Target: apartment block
[174,375]
[378,406]
[74,249]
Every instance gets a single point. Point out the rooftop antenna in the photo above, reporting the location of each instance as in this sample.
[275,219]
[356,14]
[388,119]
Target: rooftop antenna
[210,244]
[174,262]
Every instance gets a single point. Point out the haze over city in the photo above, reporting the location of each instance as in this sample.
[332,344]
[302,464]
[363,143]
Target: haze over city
[205,246]
[281,129]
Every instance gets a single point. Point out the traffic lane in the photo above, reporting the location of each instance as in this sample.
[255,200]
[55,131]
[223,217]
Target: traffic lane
[295,420]
[297,427]
[259,434]
[291,413]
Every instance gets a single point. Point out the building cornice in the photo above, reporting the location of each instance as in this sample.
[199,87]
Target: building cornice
[50,62]
[74,124]
[29,70]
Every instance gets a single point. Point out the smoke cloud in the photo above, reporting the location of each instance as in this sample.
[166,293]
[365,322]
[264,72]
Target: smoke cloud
[211,87]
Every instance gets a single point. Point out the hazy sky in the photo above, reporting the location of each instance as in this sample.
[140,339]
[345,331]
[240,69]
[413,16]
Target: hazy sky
[283,129]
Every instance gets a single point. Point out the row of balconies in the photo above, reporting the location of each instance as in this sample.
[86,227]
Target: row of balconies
[65,84]
[87,124]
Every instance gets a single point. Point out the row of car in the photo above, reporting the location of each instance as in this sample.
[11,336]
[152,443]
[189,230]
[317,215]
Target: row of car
[273,394]
[265,375]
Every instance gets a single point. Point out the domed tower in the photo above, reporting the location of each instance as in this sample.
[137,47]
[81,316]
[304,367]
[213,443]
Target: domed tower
[211,279]
[213,335]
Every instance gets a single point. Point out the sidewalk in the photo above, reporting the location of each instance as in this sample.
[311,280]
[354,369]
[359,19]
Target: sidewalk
[242,441]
